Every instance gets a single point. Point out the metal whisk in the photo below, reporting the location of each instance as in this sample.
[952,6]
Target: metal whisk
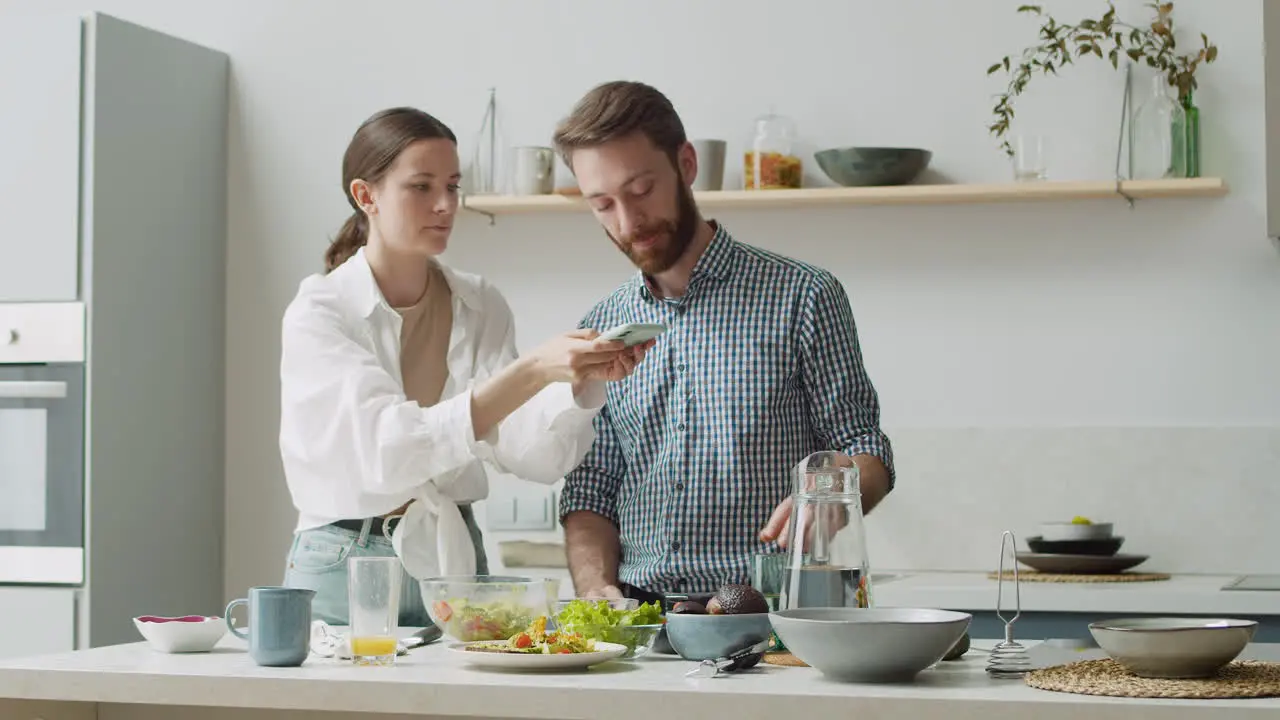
[1008,659]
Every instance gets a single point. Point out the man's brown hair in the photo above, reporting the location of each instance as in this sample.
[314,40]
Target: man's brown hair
[613,110]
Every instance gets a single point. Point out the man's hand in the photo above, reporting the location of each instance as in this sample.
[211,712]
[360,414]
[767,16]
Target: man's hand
[873,478]
[779,526]
[608,592]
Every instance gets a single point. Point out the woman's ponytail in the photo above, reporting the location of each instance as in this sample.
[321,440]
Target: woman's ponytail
[351,237]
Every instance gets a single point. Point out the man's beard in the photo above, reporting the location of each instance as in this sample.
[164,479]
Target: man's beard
[674,237]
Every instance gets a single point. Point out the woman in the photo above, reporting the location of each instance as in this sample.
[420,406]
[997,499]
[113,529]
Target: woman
[399,376]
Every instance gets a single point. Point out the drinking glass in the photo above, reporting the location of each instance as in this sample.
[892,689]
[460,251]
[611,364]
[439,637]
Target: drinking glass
[373,594]
[1030,158]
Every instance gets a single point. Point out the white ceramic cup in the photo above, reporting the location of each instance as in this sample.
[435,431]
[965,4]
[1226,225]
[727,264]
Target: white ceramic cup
[533,170]
[711,155]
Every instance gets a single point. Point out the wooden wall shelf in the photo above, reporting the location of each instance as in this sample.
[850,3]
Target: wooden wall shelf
[897,195]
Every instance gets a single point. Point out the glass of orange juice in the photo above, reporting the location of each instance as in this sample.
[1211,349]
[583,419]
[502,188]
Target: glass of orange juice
[373,595]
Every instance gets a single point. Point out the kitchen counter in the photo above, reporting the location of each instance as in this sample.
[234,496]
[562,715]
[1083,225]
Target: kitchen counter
[970,592]
[132,682]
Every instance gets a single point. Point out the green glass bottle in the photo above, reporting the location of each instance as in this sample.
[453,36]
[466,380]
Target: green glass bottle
[1193,135]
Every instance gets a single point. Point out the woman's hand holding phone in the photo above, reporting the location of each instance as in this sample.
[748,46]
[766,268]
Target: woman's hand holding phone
[582,355]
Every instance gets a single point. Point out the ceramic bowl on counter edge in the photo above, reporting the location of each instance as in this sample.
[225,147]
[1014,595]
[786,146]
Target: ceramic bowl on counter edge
[1173,647]
[1056,531]
[708,637]
[870,645]
[185,634]
[1097,546]
[872,166]
[468,608]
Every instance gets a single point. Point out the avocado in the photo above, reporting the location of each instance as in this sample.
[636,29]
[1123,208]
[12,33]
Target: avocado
[959,649]
[736,599]
[689,607]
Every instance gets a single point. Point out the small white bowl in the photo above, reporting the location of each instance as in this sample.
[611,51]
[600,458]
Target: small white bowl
[1173,647]
[1054,531]
[187,634]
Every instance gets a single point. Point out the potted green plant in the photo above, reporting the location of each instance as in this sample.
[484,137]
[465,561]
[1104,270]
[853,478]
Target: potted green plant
[1108,38]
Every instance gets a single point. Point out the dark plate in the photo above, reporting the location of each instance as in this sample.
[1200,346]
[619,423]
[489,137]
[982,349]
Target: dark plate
[1098,546]
[1080,564]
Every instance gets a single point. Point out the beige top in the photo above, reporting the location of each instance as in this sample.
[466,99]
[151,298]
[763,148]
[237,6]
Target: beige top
[424,341]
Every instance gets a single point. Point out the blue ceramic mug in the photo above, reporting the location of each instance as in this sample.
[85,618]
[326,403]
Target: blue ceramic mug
[279,625]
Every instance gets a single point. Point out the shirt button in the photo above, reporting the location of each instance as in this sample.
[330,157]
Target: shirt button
[680,426]
[675,545]
[680,367]
[679,486]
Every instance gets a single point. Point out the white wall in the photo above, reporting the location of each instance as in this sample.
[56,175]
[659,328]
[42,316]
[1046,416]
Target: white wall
[1034,361]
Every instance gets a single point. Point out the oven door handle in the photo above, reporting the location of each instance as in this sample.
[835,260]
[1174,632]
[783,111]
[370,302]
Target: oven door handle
[32,389]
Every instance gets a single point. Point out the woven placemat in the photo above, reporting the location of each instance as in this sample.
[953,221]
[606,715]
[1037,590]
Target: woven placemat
[784,659]
[1241,679]
[1037,576]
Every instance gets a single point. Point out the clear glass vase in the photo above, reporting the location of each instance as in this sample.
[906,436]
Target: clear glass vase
[486,173]
[1158,140]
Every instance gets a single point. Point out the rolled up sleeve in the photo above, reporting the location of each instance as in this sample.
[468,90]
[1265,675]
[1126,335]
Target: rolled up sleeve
[593,485]
[846,406]
[549,435]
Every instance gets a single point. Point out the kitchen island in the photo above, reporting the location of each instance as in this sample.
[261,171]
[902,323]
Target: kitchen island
[132,682]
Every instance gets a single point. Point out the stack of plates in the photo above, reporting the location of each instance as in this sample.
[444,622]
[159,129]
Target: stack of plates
[1071,548]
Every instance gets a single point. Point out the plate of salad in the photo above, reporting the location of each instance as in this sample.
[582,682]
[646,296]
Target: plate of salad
[629,623]
[537,648]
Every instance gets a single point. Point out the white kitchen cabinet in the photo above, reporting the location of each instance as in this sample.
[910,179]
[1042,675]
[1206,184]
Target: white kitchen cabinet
[37,621]
[40,61]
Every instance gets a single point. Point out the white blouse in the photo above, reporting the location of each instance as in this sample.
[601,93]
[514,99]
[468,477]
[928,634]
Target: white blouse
[354,446]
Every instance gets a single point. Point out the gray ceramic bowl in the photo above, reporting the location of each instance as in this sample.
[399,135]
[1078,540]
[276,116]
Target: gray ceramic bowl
[873,645]
[1171,647]
[872,166]
[707,637]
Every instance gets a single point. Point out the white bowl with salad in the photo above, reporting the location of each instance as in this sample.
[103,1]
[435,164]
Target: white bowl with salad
[623,621]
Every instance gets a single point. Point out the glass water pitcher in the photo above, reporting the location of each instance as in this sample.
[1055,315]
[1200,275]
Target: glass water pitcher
[826,563]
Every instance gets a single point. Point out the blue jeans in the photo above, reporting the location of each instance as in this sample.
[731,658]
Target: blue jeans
[318,561]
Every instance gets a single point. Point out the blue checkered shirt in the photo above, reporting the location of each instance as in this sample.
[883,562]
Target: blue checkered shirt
[760,366]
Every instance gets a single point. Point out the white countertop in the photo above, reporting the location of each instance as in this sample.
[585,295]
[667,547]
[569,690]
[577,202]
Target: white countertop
[970,592]
[430,681]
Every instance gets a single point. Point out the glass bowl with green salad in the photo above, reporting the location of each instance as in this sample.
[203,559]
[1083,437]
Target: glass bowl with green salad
[624,621]
[487,607]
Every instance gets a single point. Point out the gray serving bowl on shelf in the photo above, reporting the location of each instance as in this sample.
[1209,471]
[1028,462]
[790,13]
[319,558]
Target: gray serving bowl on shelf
[872,166]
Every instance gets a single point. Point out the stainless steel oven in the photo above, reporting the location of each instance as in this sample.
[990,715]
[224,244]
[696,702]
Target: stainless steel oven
[42,443]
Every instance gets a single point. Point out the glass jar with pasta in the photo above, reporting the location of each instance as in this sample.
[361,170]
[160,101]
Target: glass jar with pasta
[770,162]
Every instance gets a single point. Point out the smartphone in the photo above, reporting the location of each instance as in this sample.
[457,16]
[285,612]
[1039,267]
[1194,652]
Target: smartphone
[634,333]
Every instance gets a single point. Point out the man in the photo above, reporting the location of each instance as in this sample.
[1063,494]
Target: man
[690,472]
